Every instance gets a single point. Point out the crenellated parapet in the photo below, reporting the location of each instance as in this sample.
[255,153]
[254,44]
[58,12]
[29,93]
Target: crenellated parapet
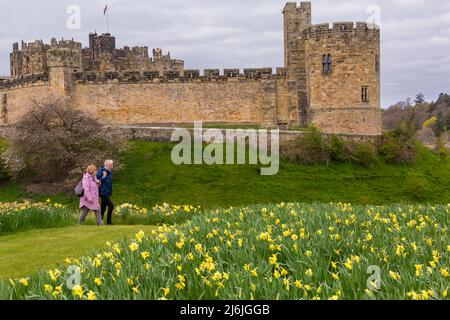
[362,30]
[190,75]
[25,81]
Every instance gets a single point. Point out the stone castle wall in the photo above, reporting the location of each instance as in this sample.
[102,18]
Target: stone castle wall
[127,87]
[227,101]
[335,97]
[17,98]
[127,99]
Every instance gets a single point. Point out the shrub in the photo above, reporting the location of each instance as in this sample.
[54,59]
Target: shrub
[54,141]
[418,187]
[364,154]
[398,147]
[310,148]
[442,150]
[338,149]
[3,172]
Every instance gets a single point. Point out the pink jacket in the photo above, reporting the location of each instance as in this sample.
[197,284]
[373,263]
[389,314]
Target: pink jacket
[90,197]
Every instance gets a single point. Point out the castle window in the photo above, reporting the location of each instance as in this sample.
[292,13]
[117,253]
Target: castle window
[377,63]
[365,94]
[327,64]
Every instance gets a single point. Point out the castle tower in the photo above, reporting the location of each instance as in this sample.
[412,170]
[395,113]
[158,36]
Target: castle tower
[62,63]
[296,19]
[343,78]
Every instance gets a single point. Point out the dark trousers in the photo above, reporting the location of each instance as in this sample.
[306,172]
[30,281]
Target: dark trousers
[107,203]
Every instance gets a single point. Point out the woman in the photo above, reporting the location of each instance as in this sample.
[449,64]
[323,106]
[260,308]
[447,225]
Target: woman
[89,200]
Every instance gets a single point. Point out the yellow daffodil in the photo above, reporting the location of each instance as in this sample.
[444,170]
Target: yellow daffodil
[77,291]
[394,275]
[133,247]
[91,296]
[98,281]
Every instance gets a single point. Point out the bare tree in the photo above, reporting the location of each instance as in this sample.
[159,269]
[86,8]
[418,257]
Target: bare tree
[53,142]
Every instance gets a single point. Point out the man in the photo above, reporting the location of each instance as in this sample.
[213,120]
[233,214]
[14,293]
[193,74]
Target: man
[106,190]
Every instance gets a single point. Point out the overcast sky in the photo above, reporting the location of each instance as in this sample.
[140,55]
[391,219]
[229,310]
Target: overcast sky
[246,33]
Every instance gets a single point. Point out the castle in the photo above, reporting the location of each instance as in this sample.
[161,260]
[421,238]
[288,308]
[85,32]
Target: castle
[331,80]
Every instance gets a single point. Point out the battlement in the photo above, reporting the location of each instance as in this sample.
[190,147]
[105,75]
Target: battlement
[69,44]
[40,46]
[36,46]
[63,57]
[190,75]
[342,28]
[303,7]
[23,81]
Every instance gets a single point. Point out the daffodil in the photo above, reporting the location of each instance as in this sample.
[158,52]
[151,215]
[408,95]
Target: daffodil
[48,288]
[24,282]
[419,268]
[133,247]
[394,275]
[166,291]
[91,296]
[273,259]
[77,291]
[98,281]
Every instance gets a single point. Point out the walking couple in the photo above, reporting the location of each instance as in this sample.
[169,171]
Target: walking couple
[97,183]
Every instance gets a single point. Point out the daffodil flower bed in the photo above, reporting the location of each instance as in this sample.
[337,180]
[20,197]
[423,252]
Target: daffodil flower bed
[16,217]
[160,214]
[285,251]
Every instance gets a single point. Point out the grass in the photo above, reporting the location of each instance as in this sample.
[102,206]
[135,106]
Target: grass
[32,251]
[285,251]
[149,177]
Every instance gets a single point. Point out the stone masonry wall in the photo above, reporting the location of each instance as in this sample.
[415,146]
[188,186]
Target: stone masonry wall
[16,101]
[335,97]
[230,101]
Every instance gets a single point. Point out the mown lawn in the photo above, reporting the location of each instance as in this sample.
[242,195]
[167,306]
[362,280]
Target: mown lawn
[149,177]
[32,251]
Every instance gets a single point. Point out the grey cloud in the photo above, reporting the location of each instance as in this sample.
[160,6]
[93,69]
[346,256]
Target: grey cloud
[246,33]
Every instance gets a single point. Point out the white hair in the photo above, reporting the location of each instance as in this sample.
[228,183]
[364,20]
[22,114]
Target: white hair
[108,162]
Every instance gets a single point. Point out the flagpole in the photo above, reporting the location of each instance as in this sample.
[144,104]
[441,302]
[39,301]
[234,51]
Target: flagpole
[106,12]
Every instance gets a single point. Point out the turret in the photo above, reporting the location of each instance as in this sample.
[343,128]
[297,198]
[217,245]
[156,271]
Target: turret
[62,64]
[296,19]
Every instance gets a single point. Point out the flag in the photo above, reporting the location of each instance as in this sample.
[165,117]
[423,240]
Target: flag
[105,10]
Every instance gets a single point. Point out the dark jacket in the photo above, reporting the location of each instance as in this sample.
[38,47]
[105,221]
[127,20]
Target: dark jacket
[106,188]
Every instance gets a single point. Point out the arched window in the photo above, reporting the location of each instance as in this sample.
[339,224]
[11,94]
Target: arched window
[327,64]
